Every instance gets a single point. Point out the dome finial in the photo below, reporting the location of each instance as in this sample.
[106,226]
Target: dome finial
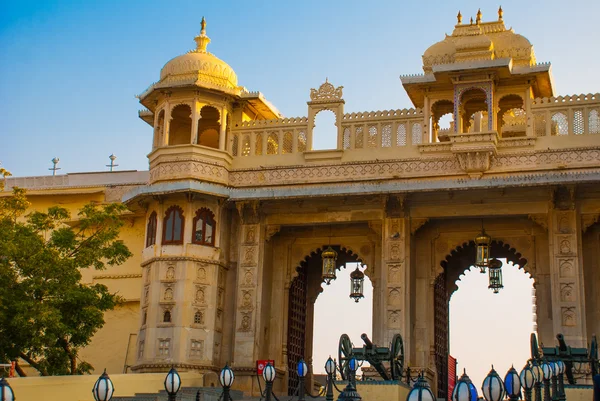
[202,40]
[459,17]
[478,20]
[500,13]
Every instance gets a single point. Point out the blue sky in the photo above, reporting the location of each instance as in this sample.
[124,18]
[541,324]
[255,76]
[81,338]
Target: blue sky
[70,69]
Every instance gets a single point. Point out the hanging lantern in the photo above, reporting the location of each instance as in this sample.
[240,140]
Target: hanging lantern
[357,280]
[483,242]
[329,256]
[495,275]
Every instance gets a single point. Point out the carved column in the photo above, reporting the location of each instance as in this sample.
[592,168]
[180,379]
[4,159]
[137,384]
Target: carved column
[568,304]
[249,284]
[195,118]
[167,127]
[223,131]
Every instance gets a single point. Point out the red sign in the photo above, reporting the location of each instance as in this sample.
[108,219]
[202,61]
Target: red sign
[261,364]
[451,376]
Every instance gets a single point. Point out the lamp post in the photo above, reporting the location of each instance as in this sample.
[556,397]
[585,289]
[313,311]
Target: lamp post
[493,387]
[103,389]
[464,390]
[561,380]
[269,376]
[527,381]
[226,378]
[357,280]
[6,392]
[172,384]
[539,376]
[302,369]
[554,379]
[547,371]
[421,391]
[349,393]
[512,384]
[330,370]
[329,257]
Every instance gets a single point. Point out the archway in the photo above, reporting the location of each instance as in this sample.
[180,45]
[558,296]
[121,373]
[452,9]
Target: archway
[304,290]
[454,266]
[325,131]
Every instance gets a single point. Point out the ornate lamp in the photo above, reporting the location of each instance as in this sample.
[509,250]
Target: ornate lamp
[269,376]
[330,370]
[103,389]
[554,367]
[464,390]
[539,377]
[301,369]
[357,281]
[483,242]
[226,378]
[512,384]
[6,392]
[495,275]
[527,381]
[547,374]
[493,387]
[561,380]
[421,391]
[172,384]
[349,393]
[329,257]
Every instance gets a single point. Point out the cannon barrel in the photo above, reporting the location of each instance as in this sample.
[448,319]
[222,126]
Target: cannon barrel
[562,345]
[366,339]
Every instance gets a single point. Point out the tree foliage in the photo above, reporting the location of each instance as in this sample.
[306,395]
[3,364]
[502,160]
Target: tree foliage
[46,313]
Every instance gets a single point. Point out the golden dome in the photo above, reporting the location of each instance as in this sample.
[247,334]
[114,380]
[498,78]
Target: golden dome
[480,41]
[199,67]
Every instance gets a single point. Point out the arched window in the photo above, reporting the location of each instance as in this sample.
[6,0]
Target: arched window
[167,317]
[173,226]
[204,227]
[151,230]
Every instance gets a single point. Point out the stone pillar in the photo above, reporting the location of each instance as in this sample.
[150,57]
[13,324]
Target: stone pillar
[223,131]
[195,118]
[166,130]
[566,270]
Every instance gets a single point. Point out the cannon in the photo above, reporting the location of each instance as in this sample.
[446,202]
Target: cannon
[571,357]
[376,356]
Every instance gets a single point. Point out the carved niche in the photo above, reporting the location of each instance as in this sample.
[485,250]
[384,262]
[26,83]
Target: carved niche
[247,300]
[248,278]
[394,319]
[245,321]
[566,292]
[201,272]
[566,268]
[394,297]
[564,245]
[568,316]
[249,255]
[395,273]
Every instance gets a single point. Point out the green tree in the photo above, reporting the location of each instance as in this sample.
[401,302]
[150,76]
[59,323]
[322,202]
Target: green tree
[46,313]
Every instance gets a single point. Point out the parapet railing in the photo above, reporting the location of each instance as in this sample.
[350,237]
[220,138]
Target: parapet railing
[566,115]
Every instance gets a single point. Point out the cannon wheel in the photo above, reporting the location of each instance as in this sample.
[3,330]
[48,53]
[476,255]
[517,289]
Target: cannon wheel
[397,357]
[344,354]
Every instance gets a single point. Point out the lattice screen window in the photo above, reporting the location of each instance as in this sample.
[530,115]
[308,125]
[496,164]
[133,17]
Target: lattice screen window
[594,121]
[372,141]
[272,143]
[196,348]
[301,141]
[386,136]
[346,139]
[141,350]
[539,124]
[578,122]
[164,346]
[401,135]
[234,146]
[288,140]
[246,146]
[198,318]
[358,140]
[416,134]
[258,145]
[560,124]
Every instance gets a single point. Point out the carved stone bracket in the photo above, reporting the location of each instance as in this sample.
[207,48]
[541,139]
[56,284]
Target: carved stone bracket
[271,230]
[248,211]
[415,224]
[474,152]
[563,197]
[588,219]
[394,205]
[540,219]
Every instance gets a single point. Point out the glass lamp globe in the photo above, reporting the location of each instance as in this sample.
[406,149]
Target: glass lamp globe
[353,365]
[420,391]
[269,373]
[330,366]
[172,382]
[464,390]
[103,389]
[301,368]
[527,378]
[493,387]
[226,377]
[547,369]
[537,372]
[6,392]
[561,367]
[512,383]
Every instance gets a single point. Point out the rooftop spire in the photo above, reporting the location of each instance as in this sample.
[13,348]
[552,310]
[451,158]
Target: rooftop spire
[202,40]
[500,13]
[478,20]
[459,17]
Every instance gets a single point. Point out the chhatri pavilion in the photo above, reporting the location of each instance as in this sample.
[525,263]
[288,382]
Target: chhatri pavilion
[229,224]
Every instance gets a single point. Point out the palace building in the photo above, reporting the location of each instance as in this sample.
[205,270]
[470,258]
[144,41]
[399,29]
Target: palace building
[229,224]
